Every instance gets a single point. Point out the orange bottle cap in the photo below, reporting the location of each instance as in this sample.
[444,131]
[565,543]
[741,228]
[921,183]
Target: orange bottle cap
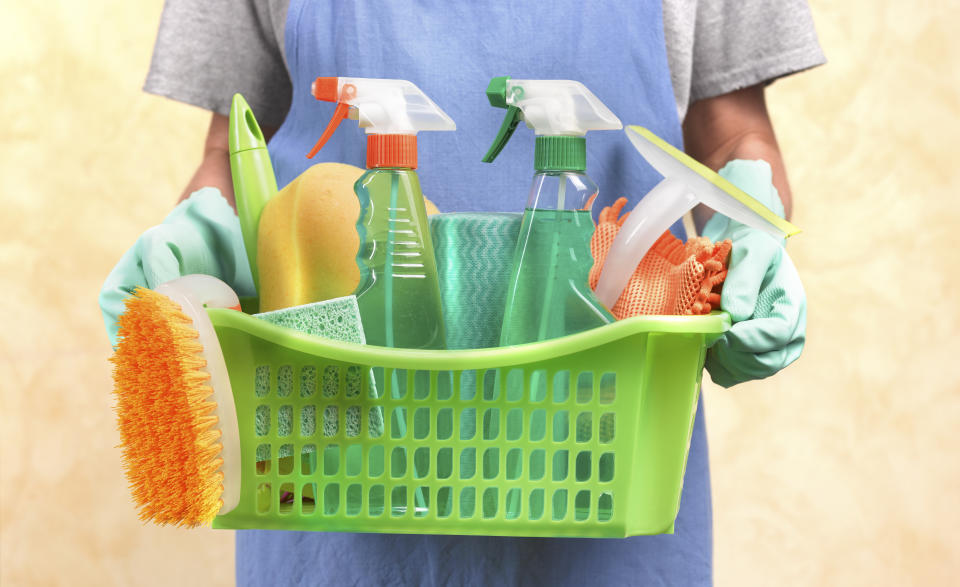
[391,151]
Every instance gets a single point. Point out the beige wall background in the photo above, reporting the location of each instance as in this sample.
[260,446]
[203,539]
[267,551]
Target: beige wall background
[843,470]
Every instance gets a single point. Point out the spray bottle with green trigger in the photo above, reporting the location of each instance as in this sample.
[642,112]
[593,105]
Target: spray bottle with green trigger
[399,293]
[549,295]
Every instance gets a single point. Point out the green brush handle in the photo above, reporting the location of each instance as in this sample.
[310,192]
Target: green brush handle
[253,180]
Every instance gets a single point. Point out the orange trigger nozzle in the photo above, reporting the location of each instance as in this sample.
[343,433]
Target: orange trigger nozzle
[338,115]
[325,88]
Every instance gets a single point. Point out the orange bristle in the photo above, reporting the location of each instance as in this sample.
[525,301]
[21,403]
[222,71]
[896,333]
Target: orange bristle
[170,440]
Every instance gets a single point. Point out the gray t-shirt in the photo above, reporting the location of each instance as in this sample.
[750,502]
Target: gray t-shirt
[208,49]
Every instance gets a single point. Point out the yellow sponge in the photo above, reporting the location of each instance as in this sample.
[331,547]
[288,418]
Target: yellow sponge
[307,239]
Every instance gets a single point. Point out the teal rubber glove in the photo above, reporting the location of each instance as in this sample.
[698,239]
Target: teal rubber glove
[762,291]
[200,235]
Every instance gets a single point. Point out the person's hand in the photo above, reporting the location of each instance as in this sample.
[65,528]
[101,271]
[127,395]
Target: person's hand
[200,235]
[762,291]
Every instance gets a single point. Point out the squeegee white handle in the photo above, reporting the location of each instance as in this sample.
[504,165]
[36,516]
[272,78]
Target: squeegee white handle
[652,215]
[737,210]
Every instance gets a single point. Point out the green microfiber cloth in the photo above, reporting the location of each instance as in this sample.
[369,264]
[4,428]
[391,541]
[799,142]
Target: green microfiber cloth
[336,319]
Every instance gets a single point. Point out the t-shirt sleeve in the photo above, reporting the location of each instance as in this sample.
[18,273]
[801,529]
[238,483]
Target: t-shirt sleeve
[207,50]
[740,43]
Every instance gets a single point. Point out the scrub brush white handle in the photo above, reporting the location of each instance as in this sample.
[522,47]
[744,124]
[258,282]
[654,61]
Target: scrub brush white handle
[193,293]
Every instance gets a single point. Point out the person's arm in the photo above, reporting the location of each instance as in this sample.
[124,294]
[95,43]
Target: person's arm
[762,292]
[208,50]
[214,168]
[734,126]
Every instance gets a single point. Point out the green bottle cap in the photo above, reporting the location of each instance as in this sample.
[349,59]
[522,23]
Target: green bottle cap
[553,153]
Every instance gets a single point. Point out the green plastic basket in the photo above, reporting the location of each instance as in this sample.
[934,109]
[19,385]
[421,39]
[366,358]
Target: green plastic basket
[585,435]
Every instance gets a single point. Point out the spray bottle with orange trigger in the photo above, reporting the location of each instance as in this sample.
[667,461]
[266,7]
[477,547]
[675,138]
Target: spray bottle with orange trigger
[399,293]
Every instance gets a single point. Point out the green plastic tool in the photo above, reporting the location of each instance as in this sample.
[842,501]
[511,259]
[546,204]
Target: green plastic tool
[584,435]
[254,182]
[602,457]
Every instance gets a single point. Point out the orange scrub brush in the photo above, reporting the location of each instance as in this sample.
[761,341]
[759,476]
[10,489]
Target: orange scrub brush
[673,277]
[169,370]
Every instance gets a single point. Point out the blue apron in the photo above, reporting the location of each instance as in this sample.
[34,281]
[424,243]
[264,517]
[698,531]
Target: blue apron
[451,49]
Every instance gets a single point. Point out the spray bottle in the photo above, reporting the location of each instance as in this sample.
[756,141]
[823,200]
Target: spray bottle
[549,295]
[398,293]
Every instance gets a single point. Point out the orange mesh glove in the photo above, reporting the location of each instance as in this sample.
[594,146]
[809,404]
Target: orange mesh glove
[673,277]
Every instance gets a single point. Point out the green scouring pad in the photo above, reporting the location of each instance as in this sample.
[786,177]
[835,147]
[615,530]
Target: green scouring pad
[336,319]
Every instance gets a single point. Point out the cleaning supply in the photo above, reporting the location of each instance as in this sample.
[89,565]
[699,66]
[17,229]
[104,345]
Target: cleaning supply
[398,294]
[337,319]
[399,291]
[307,245]
[762,291]
[170,369]
[548,295]
[686,184]
[606,460]
[674,278]
[474,255]
[253,180]
[175,410]
[200,235]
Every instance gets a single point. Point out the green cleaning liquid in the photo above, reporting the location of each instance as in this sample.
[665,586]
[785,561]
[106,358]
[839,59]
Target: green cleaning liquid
[399,293]
[549,295]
